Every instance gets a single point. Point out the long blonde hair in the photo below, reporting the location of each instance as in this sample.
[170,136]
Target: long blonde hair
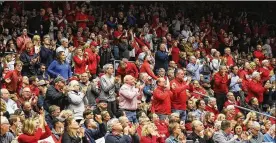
[3,106]
[145,131]
[71,132]
[29,126]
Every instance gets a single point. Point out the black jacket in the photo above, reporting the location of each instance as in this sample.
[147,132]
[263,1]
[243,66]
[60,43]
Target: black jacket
[68,139]
[54,97]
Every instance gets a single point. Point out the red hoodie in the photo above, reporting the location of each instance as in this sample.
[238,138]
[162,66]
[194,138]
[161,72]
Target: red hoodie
[130,69]
[93,62]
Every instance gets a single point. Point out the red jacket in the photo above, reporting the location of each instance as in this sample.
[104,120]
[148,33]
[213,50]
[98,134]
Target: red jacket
[80,64]
[93,61]
[221,83]
[161,102]
[38,135]
[211,109]
[146,68]
[130,69]
[255,89]
[259,54]
[179,96]
[265,73]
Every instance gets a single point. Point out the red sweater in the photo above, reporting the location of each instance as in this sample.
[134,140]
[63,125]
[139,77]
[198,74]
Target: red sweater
[179,96]
[38,135]
[80,64]
[130,69]
[198,90]
[146,68]
[81,16]
[259,54]
[221,83]
[93,61]
[255,89]
[161,103]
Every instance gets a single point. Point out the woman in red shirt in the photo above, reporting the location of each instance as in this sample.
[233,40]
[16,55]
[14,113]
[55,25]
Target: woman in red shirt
[32,130]
[80,61]
[175,52]
[149,133]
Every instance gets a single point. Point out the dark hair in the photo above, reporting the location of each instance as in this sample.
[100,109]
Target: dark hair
[235,127]
[87,112]
[225,124]
[55,121]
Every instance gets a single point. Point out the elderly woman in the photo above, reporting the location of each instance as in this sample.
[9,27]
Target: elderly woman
[109,85]
[76,103]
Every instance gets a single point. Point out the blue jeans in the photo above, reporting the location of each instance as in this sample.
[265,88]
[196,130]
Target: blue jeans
[116,52]
[131,115]
[162,116]
[182,114]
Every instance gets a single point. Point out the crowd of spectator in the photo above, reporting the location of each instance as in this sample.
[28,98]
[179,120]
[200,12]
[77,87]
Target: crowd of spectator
[148,72]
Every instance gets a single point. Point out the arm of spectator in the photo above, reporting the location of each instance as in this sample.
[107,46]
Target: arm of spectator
[51,69]
[150,73]
[106,87]
[147,90]
[160,95]
[76,99]
[25,60]
[127,93]
[29,139]
[47,132]
[161,56]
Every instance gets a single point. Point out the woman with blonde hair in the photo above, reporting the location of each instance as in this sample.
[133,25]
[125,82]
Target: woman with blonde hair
[149,133]
[32,130]
[76,103]
[221,117]
[37,43]
[73,133]
[3,109]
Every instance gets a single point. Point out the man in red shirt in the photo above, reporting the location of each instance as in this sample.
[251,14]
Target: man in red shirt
[221,86]
[127,68]
[13,78]
[179,97]
[82,18]
[161,102]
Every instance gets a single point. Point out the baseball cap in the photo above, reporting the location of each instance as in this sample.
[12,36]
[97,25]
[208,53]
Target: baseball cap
[42,83]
